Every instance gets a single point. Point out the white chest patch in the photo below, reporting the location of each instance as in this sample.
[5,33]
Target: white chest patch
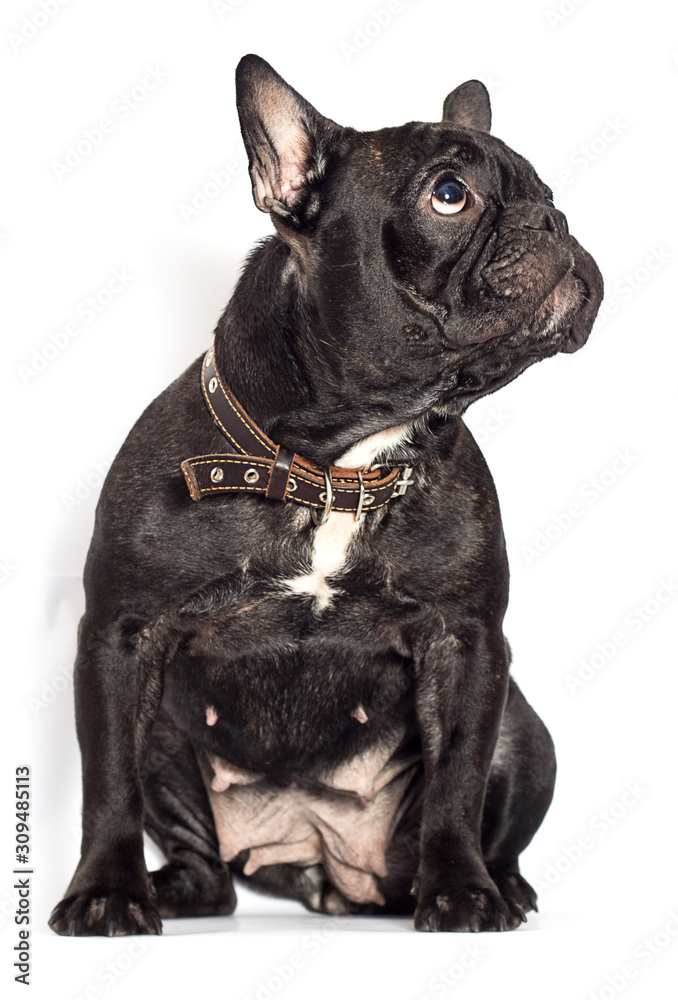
[330,545]
[332,539]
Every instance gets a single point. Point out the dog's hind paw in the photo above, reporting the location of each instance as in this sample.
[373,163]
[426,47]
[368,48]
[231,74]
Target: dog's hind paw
[107,915]
[182,891]
[513,886]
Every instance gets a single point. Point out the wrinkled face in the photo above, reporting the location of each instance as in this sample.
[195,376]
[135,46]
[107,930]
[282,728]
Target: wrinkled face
[452,237]
[437,260]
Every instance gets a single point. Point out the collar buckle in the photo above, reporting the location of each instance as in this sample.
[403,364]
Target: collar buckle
[402,484]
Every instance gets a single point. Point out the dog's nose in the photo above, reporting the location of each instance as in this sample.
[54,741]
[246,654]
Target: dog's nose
[543,217]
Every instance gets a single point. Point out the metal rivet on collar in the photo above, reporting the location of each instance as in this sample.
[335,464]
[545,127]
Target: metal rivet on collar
[251,476]
[368,499]
[213,385]
[291,484]
[208,359]
[217,474]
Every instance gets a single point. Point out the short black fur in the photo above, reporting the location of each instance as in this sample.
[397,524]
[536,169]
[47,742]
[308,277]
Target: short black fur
[367,310]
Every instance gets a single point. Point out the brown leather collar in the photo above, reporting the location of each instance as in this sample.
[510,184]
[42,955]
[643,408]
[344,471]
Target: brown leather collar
[260,466]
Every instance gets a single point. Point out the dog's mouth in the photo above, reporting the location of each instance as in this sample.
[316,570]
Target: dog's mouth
[582,292]
[542,289]
[559,309]
[569,310]
[554,321]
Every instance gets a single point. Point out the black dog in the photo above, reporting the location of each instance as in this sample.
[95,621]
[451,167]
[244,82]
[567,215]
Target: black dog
[315,693]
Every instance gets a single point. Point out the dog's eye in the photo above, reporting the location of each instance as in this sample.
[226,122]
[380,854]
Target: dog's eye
[448,198]
[548,201]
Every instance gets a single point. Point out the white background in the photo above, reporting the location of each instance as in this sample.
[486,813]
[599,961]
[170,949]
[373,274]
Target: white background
[589,92]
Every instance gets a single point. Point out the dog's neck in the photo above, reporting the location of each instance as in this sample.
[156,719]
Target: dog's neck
[268,346]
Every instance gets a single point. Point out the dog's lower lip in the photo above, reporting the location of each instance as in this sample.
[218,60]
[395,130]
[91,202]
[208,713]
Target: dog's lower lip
[562,303]
[574,339]
[570,283]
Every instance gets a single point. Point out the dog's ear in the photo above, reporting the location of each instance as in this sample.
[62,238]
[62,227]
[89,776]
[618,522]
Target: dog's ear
[469,105]
[287,141]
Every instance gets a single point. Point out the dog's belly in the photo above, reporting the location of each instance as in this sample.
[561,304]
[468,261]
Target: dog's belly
[344,820]
[303,722]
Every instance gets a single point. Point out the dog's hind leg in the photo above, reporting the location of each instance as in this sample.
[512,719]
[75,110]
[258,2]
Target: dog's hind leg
[402,858]
[519,791]
[194,882]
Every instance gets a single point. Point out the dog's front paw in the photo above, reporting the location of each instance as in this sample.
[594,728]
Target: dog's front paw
[114,913]
[471,909]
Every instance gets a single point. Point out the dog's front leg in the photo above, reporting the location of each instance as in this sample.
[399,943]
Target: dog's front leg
[461,689]
[118,686]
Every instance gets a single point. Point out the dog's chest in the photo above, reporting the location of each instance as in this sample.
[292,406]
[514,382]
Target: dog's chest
[333,540]
[331,544]
[302,644]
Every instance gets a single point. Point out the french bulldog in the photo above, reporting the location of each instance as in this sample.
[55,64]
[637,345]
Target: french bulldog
[319,700]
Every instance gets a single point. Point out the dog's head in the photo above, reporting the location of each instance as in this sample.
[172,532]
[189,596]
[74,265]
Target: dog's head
[431,254]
